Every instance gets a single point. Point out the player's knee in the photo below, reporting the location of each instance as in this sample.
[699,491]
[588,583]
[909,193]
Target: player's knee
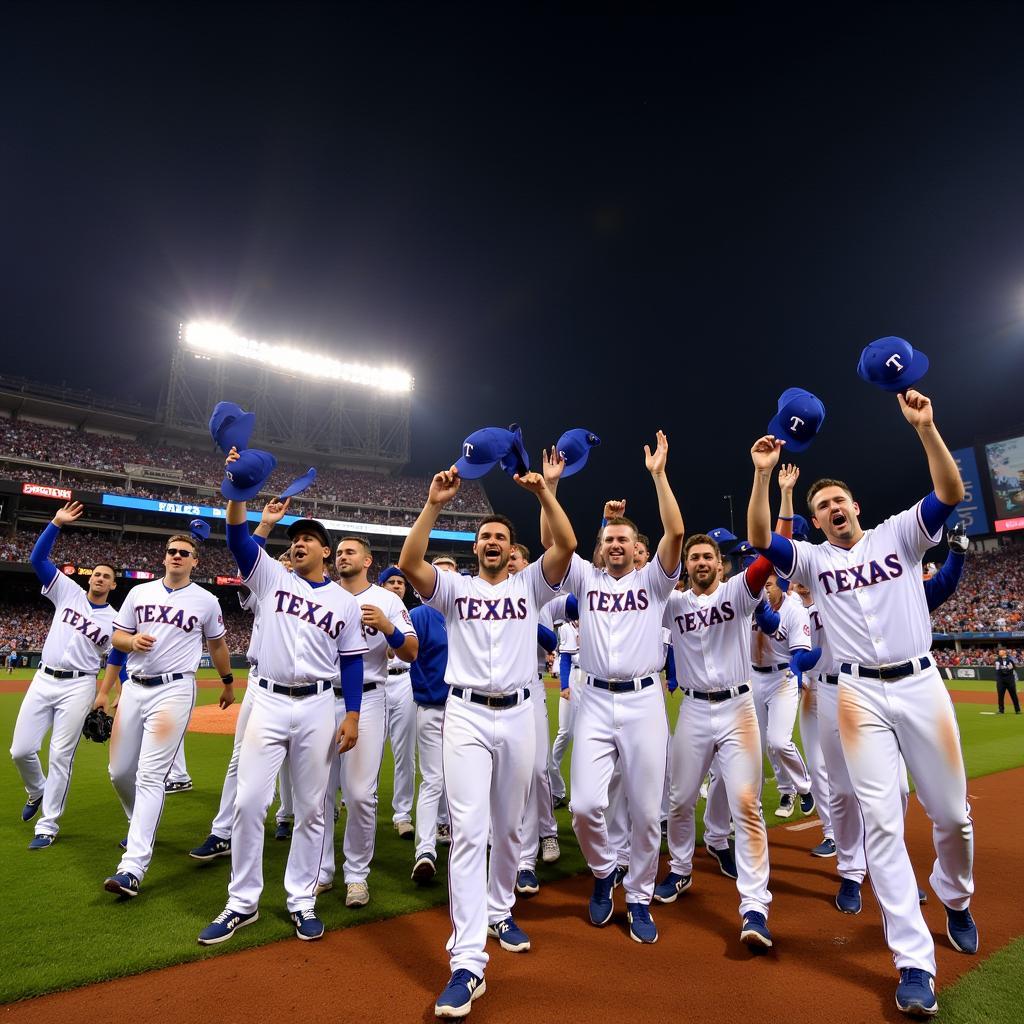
[22,752]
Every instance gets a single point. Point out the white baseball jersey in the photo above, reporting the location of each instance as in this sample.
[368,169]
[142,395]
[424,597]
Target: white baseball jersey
[492,628]
[819,638]
[303,628]
[551,613]
[793,634]
[870,597]
[375,662]
[179,619]
[80,632]
[250,603]
[710,635]
[620,619]
[569,640]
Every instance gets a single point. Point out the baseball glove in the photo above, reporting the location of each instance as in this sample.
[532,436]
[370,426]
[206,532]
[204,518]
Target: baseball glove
[97,726]
[957,538]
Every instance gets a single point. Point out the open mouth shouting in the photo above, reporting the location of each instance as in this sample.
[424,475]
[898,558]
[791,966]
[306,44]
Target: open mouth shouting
[839,520]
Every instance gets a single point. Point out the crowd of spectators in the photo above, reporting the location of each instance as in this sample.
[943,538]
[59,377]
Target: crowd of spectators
[58,446]
[990,597]
[974,657]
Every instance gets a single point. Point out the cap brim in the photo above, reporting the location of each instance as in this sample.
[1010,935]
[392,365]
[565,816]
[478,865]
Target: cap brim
[474,470]
[299,485]
[232,492]
[310,526]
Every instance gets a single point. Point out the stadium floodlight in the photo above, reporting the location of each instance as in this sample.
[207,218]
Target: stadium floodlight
[218,341]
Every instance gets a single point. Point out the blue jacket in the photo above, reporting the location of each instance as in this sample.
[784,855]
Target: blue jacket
[427,671]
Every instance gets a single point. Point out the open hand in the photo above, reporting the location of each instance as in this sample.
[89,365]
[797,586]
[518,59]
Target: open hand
[69,513]
[788,476]
[274,511]
[656,462]
[532,482]
[553,464]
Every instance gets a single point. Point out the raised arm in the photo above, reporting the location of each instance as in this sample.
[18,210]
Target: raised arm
[412,561]
[918,411]
[765,455]
[788,476]
[40,557]
[552,466]
[555,560]
[670,547]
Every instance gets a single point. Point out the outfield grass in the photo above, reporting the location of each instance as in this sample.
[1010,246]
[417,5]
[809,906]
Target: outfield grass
[62,930]
[990,993]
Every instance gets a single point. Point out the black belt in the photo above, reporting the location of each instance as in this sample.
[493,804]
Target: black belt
[397,671]
[302,690]
[367,687]
[907,668]
[834,680]
[769,668]
[59,674]
[623,686]
[717,696]
[506,700]
[157,680]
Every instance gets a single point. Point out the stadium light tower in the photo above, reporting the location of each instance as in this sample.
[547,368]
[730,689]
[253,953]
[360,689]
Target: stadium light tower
[218,341]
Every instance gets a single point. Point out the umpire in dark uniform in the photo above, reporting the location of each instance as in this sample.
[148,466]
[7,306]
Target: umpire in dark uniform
[1006,680]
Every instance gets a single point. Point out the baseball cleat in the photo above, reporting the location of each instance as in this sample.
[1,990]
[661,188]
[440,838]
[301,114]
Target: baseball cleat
[457,998]
[807,802]
[848,898]
[664,828]
[321,887]
[283,831]
[41,842]
[786,806]
[405,830]
[424,869]
[558,801]
[922,897]
[307,925]
[211,848]
[754,934]
[123,843]
[668,890]
[549,849]
[178,787]
[357,894]
[124,883]
[509,935]
[726,861]
[527,884]
[826,848]
[915,994]
[641,925]
[601,903]
[224,925]
[28,812]
[444,837]
[620,873]
[962,930]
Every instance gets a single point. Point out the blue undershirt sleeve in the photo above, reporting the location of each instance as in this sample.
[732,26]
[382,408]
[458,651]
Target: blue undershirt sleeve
[40,557]
[934,512]
[943,584]
[780,553]
[546,638]
[670,670]
[766,617]
[351,666]
[564,671]
[243,547]
[117,657]
[572,608]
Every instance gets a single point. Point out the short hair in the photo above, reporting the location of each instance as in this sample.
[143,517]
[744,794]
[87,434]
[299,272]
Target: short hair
[362,541]
[820,485]
[504,520]
[112,568]
[642,538]
[621,521]
[701,538]
[523,550]
[449,559]
[190,541]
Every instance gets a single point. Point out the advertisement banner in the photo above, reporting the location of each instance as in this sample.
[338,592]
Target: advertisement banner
[970,511]
[46,491]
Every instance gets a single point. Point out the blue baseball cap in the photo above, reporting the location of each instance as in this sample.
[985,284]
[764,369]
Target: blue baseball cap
[482,450]
[231,426]
[245,477]
[517,460]
[388,574]
[298,485]
[801,528]
[798,420]
[574,446]
[745,552]
[200,529]
[720,535]
[892,364]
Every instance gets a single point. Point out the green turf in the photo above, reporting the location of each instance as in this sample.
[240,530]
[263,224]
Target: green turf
[991,993]
[62,930]
[973,686]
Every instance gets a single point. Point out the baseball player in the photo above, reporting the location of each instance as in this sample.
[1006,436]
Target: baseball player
[569,694]
[161,626]
[711,649]
[388,628]
[489,727]
[621,718]
[430,691]
[63,688]
[866,587]
[401,717]
[311,638]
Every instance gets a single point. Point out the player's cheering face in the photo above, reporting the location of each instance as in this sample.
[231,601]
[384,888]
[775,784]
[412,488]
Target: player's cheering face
[493,547]
[396,584]
[308,554]
[101,583]
[516,561]
[618,548]
[703,566]
[351,559]
[774,591]
[834,512]
[180,558]
[641,556]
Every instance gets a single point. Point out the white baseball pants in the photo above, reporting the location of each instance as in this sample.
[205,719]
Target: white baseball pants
[776,698]
[179,768]
[811,740]
[401,710]
[148,729]
[488,757]
[60,705]
[539,817]
[879,720]
[730,729]
[566,718]
[629,730]
[717,816]
[431,795]
[303,728]
[357,772]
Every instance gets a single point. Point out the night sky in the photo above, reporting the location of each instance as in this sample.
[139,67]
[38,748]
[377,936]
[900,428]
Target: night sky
[615,223]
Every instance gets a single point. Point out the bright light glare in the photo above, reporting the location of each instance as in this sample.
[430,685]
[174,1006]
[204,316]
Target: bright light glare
[218,340]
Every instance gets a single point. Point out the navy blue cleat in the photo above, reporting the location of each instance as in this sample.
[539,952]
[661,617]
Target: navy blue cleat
[601,905]
[807,802]
[915,994]
[848,898]
[620,875]
[726,861]
[754,934]
[962,930]
[283,831]
[41,842]
[457,998]
[641,925]
[527,884]
[28,812]
[509,935]
[211,848]
[922,897]
[307,925]
[826,848]
[224,926]
[668,890]
[123,883]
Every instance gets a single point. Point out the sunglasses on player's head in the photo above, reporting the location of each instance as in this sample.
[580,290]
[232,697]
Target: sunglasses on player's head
[180,552]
